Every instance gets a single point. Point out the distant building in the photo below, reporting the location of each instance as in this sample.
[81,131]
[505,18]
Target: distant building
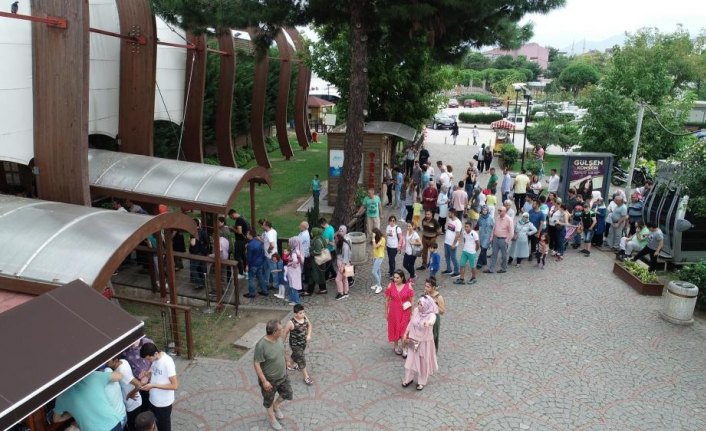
[533,51]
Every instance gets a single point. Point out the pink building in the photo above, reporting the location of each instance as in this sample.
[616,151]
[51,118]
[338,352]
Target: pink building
[533,52]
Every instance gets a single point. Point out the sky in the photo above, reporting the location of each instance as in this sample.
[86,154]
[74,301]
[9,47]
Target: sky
[596,20]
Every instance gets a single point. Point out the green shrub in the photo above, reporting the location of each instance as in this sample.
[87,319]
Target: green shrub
[482,98]
[695,274]
[509,155]
[312,216]
[533,165]
[641,272]
[467,117]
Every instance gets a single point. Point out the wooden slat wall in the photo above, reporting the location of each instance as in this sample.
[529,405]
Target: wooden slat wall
[195,90]
[138,71]
[60,80]
[285,78]
[224,102]
[301,124]
[257,113]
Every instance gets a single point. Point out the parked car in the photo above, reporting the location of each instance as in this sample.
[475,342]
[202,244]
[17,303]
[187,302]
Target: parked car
[700,134]
[453,103]
[471,103]
[442,121]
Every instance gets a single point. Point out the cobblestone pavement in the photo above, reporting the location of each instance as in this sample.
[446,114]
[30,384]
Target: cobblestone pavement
[570,347]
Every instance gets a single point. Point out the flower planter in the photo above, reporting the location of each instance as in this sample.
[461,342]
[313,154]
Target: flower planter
[651,289]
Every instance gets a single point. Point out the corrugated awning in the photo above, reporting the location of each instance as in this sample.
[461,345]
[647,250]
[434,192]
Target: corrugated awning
[384,128]
[502,124]
[170,182]
[53,243]
[53,341]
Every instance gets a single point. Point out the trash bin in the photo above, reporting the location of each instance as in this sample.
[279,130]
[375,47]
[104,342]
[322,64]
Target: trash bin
[358,254]
[678,302]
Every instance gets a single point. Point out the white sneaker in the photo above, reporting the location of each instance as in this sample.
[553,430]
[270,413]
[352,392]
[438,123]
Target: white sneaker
[277,295]
[373,287]
[378,289]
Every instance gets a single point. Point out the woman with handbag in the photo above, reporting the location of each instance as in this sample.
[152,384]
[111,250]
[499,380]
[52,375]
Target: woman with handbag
[412,249]
[322,258]
[343,261]
[419,337]
[398,309]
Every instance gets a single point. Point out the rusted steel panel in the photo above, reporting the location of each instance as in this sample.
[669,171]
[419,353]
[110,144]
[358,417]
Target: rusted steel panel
[285,78]
[138,68]
[195,87]
[60,80]
[257,113]
[224,102]
[301,126]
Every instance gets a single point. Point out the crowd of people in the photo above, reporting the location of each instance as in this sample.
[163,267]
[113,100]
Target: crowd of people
[134,392]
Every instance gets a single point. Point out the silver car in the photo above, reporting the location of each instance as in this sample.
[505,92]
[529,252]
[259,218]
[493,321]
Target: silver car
[442,120]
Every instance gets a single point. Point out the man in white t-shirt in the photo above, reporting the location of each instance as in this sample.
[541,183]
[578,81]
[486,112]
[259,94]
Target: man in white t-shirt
[270,244]
[130,389]
[163,383]
[553,182]
[394,241]
[471,243]
[452,238]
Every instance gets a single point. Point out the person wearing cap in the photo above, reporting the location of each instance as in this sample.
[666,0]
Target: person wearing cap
[520,248]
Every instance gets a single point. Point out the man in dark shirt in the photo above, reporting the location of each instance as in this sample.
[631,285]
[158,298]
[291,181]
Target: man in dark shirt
[430,231]
[423,156]
[429,197]
[240,228]
[255,256]
[634,211]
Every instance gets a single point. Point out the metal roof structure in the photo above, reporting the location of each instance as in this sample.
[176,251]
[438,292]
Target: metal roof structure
[57,339]
[385,128]
[51,243]
[170,182]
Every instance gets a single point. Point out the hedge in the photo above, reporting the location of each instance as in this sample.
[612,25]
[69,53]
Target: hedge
[467,117]
[482,98]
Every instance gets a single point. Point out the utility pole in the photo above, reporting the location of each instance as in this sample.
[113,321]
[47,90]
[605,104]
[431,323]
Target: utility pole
[633,158]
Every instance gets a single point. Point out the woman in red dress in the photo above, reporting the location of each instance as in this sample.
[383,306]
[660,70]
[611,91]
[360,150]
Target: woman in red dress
[398,309]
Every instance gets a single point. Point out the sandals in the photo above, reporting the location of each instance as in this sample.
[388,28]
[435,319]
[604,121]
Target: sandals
[420,387]
[308,381]
[404,385]
[398,351]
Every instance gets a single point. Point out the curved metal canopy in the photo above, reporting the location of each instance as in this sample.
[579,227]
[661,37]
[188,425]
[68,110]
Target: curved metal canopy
[170,182]
[385,128]
[53,243]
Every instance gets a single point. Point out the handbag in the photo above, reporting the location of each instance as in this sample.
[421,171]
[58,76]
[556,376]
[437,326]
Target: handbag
[475,157]
[416,250]
[348,270]
[324,257]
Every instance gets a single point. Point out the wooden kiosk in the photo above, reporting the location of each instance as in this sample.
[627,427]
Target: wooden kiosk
[378,149]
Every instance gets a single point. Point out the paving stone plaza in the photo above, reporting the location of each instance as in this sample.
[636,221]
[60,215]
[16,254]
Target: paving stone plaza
[570,347]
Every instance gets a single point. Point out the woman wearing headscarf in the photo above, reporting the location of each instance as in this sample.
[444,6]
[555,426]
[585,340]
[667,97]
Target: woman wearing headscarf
[294,269]
[421,354]
[442,202]
[485,232]
[520,248]
[343,258]
[316,273]
[432,289]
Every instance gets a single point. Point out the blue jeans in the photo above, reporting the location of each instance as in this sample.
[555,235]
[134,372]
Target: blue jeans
[451,258]
[560,239]
[269,276]
[255,274]
[377,272]
[577,236]
[391,254]
[482,258]
[293,295]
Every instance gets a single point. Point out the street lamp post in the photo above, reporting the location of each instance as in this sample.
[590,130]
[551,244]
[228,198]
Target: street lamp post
[524,135]
[517,98]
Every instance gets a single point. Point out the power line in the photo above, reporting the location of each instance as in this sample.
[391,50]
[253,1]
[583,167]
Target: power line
[654,114]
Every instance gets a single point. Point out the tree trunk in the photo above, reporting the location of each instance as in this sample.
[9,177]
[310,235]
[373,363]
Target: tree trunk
[353,146]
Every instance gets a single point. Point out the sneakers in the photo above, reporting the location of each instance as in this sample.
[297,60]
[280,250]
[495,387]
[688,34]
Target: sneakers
[587,253]
[448,271]
[275,425]
[472,281]
[345,296]
[584,251]
[459,281]
[277,295]
[339,296]
[373,287]
[279,414]
[421,268]
[378,289]
[455,274]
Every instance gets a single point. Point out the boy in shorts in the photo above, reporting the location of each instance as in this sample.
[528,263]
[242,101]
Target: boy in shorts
[471,243]
[299,330]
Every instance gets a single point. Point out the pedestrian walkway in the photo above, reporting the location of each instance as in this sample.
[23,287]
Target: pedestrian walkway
[570,347]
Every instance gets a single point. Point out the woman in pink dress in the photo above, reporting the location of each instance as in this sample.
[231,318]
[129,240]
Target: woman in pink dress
[421,355]
[397,294]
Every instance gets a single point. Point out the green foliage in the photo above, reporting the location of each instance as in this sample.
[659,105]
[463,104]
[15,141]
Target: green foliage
[312,216]
[641,272]
[467,117]
[548,132]
[166,139]
[475,61]
[533,165]
[509,155]
[696,275]
[479,97]
[578,75]
[557,65]
[694,178]
[360,194]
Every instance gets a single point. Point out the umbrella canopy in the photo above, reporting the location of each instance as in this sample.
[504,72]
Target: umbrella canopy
[502,124]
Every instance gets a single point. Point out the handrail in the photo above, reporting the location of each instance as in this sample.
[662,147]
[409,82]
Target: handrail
[187,320]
